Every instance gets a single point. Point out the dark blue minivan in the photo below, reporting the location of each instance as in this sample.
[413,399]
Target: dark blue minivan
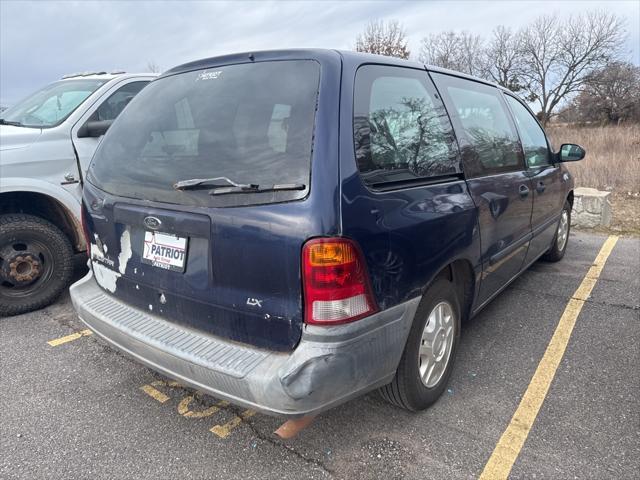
[287,230]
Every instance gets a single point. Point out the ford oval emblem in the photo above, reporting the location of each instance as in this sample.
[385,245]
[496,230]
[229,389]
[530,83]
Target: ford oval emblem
[152,222]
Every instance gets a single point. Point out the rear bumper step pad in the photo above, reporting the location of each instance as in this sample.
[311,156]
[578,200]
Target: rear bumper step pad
[329,366]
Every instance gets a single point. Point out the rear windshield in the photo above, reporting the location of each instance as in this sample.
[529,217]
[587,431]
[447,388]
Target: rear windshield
[251,123]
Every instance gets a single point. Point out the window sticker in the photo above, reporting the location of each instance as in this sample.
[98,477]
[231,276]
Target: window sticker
[208,75]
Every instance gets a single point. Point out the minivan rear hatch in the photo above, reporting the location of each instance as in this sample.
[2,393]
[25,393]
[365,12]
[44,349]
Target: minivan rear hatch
[197,199]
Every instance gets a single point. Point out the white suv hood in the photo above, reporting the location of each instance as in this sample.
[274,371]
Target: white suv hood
[17,137]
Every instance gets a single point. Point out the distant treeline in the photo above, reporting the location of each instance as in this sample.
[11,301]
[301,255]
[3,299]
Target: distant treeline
[570,67]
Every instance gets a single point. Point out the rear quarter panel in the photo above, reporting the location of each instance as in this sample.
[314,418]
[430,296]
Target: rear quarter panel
[408,236]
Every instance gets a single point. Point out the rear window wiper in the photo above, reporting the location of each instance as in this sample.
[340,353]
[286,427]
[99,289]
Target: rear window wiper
[197,182]
[233,187]
[256,188]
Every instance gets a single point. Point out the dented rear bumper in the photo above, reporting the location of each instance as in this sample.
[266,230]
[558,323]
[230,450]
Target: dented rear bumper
[329,366]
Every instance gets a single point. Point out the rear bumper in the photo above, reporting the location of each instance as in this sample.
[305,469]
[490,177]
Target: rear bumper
[330,365]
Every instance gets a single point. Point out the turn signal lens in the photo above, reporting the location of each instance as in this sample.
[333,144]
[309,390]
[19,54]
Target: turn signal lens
[336,282]
[330,253]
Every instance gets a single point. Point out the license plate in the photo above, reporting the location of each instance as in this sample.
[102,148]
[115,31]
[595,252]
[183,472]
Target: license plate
[164,250]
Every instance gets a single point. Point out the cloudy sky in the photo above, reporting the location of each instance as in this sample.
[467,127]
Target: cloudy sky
[41,41]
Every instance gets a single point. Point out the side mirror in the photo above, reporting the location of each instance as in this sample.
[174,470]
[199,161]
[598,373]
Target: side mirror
[94,128]
[570,152]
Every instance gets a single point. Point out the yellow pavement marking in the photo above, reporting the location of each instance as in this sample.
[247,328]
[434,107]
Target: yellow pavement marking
[183,408]
[223,431]
[508,448]
[166,383]
[69,338]
[157,394]
[154,393]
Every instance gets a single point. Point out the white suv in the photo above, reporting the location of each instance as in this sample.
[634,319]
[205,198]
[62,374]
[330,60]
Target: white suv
[46,143]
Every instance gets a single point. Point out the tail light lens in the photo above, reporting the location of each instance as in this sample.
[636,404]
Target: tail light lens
[335,281]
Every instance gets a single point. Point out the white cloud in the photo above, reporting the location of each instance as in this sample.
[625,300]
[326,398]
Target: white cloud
[41,41]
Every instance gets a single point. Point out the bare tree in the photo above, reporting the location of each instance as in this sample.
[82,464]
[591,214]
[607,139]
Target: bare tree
[153,67]
[609,95]
[557,56]
[441,50]
[456,51]
[502,59]
[471,53]
[383,39]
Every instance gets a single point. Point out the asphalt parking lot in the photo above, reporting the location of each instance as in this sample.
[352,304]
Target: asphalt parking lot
[75,408]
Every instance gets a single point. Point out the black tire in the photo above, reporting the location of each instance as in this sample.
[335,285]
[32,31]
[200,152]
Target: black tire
[556,251]
[34,247]
[407,389]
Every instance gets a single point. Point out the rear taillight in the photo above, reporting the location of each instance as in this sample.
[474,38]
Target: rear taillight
[85,230]
[336,282]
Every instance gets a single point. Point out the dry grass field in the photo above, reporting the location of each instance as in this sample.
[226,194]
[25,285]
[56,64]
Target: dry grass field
[612,163]
[613,155]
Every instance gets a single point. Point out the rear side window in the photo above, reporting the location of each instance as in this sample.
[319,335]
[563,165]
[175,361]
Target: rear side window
[116,102]
[534,141]
[401,129]
[251,123]
[485,121]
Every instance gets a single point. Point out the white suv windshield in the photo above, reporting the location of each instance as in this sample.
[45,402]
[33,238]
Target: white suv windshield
[249,124]
[51,105]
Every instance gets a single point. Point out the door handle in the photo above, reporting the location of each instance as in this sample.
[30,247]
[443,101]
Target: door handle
[523,191]
[540,187]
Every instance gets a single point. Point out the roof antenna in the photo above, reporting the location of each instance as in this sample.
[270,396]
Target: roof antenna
[252,57]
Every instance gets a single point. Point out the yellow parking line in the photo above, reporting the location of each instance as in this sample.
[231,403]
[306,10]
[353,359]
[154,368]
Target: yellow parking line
[223,431]
[166,383]
[154,393]
[69,338]
[183,408]
[508,448]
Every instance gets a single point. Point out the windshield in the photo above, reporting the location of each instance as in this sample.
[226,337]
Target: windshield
[51,105]
[252,123]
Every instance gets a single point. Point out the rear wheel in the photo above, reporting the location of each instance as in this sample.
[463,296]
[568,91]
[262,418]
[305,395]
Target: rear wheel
[427,360]
[36,263]
[561,238]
